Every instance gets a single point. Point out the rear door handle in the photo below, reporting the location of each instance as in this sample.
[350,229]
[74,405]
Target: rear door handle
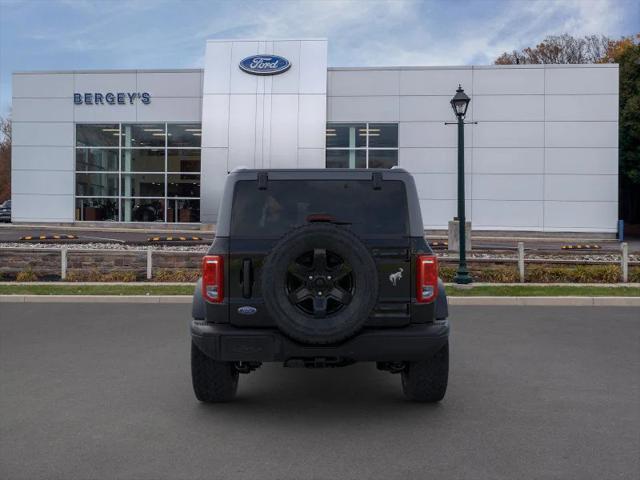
[247,279]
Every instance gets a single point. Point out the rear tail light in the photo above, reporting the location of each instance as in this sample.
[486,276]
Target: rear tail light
[213,278]
[427,278]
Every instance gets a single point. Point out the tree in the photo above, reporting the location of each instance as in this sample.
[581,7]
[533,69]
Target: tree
[600,49]
[5,159]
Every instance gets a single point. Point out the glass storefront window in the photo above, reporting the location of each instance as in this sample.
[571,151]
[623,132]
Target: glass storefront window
[361,145]
[383,158]
[184,135]
[98,135]
[183,211]
[183,185]
[143,160]
[142,185]
[96,209]
[183,160]
[143,135]
[143,209]
[96,185]
[346,135]
[146,172]
[96,160]
[346,159]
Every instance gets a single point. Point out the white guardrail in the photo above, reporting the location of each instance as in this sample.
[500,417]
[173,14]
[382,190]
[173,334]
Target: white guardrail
[521,259]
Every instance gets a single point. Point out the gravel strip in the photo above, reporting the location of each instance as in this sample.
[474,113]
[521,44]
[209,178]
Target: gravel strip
[107,246]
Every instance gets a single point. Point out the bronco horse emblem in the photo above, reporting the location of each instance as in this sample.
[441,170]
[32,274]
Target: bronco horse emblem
[394,277]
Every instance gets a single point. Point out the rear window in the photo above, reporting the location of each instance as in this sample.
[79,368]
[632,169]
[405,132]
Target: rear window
[286,204]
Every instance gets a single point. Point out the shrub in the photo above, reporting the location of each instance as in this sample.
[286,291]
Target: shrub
[171,275]
[570,274]
[97,276]
[634,274]
[27,276]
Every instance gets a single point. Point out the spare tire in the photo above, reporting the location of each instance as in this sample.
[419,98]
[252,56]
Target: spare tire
[320,283]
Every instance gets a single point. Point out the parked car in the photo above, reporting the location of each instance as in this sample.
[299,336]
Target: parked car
[320,268]
[5,211]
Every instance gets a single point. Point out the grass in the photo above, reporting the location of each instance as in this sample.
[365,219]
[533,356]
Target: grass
[54,289]
[488,290]
[543,291]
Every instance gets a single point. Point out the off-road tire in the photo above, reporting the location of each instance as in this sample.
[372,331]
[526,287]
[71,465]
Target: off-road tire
[213,381]
[426,380]
[338,326]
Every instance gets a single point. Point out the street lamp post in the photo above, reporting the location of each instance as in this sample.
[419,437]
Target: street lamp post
[460,103]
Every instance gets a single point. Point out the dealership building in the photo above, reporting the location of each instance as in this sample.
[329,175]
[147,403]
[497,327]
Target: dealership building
[156,145]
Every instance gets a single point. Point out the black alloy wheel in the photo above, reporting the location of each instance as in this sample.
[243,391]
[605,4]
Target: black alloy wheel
[320,283]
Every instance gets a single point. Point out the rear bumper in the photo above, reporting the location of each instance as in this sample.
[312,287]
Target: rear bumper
[228,343]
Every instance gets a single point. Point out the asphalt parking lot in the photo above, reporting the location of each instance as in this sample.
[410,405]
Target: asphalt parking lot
[103,392]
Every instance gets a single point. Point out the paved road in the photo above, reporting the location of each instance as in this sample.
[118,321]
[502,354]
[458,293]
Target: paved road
[534,393]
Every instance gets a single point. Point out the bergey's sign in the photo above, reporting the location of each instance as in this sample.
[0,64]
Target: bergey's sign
[109,98]
[265,64]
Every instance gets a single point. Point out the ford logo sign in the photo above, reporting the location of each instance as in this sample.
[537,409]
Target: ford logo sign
[265,64]
[247,310]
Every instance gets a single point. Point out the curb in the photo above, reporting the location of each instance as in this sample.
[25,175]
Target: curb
[454,301]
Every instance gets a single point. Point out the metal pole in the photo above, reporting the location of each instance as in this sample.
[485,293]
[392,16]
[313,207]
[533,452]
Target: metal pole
[462,275]
[63,262]
[149,263]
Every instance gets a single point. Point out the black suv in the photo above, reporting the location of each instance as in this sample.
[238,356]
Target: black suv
[5,211]
[320,268]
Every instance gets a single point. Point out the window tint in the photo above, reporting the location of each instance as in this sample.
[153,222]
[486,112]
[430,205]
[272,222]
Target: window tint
[103,135]
[286,204]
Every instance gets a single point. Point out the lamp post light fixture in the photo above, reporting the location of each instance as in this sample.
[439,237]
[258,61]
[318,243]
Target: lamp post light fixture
[460,103]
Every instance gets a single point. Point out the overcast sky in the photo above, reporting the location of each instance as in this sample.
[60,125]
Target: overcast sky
[86,34]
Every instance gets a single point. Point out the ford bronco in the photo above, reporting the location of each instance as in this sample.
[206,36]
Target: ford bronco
[320,268]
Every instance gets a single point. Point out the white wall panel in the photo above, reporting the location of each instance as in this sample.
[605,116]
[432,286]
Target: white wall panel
[213,169]
[581,134]
[581,160]
[313,67]
[581,216]
[509,134]
[105,113]
[289,81]
[170,84]
[508,160]
[42,182]
[42,158]
[508,80]
[42,134]
[516,215]
[432,81]
[363,82]
[433,160]
[177,109]
[43,85]
[311,158]
[440,186]
[428,109]
[516,108]
[240,81]
[507,187]
[581,108]
[359,109]
[284,131]
[215,121]
[431,134]
[42,208]
[217,68]
[596,188]
[242,131]
[590,80]
[42,110]
[106,82]
[312,121]
[437,213]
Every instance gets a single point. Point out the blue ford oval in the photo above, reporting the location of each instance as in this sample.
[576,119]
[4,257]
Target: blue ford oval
[265,64]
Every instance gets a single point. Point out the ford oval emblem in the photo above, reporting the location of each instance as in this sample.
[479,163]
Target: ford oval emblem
[265,64]
[247,310]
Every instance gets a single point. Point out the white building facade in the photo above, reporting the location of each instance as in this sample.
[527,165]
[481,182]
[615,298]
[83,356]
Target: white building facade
[155,146]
